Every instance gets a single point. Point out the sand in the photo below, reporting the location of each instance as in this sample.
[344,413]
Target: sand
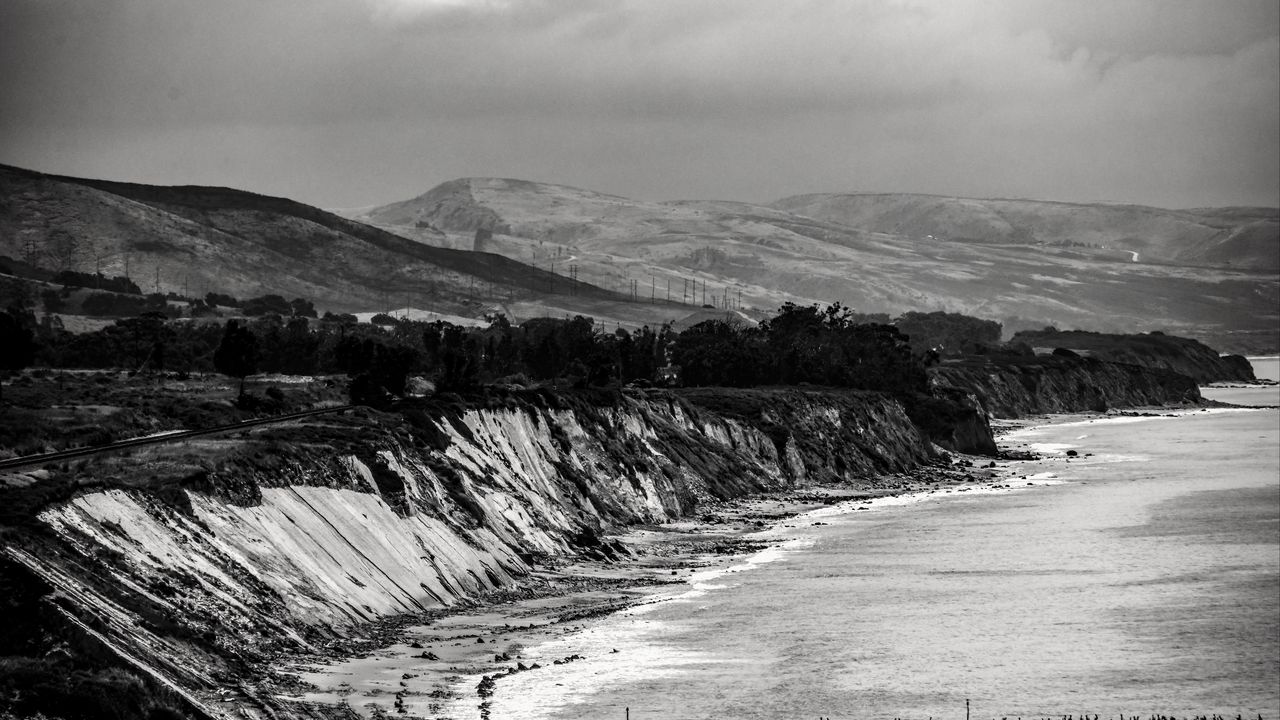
[436,664]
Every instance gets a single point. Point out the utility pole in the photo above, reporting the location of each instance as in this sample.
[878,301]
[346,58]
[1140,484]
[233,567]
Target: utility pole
[652,288]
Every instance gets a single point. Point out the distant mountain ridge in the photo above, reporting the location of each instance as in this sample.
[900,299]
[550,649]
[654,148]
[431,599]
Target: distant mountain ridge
[1212,273]
[553,250]
[1245,238]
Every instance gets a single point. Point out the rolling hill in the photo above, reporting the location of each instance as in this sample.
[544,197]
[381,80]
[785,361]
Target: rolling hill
[192,240]
[557,250]
[1208,273]
[1243,238]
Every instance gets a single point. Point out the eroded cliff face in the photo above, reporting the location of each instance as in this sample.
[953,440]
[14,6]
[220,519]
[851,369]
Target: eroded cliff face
[288,543]
[1012,387]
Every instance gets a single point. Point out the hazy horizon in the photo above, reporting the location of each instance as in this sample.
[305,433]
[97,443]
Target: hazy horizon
[1165,103]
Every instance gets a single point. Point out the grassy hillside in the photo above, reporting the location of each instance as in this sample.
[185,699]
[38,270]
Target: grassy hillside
[1023,263]
[193,240]
[1244,238]
[558,251]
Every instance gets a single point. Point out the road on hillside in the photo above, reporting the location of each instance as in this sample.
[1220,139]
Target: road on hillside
[46,458]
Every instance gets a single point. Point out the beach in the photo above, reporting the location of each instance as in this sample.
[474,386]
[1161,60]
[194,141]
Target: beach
[432,666]
[731,611]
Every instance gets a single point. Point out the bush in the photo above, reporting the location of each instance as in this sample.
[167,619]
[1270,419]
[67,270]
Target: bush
[215,299]
[97,282]
[102,304]
[266,304]
[53,301]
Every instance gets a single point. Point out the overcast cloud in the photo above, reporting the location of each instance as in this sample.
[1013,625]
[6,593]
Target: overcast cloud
[344,103]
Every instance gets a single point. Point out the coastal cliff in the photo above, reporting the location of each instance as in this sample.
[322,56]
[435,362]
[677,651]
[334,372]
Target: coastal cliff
[194,565]
[1153,350]
[1011,387]
[292,536]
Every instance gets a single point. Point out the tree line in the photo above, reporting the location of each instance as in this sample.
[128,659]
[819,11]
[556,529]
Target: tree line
[831,346]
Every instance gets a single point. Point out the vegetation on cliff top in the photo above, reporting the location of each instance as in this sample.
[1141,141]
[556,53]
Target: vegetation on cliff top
[828,346]
[1156,350]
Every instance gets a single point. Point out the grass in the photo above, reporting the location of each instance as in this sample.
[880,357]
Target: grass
[48,410]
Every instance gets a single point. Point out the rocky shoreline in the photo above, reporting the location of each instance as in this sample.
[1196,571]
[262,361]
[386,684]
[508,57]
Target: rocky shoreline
[448,663]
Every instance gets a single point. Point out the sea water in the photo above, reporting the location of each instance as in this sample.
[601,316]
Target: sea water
[1265,367]
[1141,576]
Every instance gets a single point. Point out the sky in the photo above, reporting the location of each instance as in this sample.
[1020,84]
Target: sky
[350,103]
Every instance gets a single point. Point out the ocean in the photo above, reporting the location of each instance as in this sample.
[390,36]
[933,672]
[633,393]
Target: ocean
[1140,577]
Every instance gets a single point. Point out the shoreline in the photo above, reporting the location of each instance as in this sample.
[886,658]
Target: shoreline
[450,662]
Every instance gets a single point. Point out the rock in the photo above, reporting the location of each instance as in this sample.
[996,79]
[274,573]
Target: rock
[1072,453]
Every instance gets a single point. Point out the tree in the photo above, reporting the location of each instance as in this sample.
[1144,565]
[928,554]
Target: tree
[948,333]
[715,352]
[237,354]
[17,345]
[302,308]
[378,371]
[215,299]
[267,304]
[459,356]
[144,337]
[796,339]
[301,348]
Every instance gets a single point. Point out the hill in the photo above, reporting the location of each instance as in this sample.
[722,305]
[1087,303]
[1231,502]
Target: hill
[1203,273]
[1245,238]
[193,240]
